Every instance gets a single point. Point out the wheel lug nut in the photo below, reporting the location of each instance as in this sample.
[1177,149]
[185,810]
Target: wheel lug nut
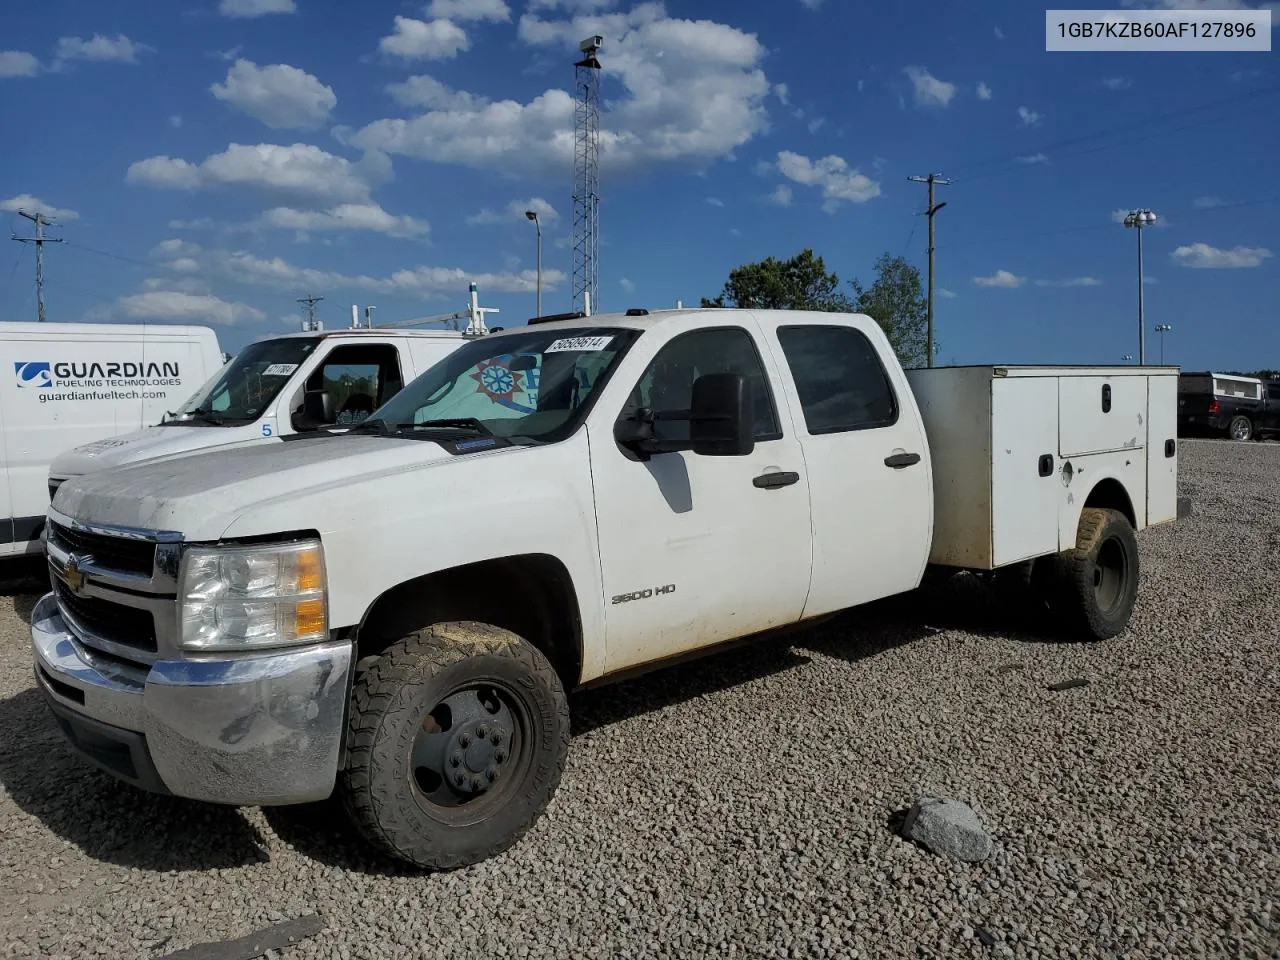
[496,737]
[456,759]
[492,774]
[499,755]
[465,739]
[482,732]
[477,784]
[460,780]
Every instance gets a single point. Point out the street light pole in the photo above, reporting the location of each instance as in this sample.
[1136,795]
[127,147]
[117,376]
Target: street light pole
[533,215]
[1162,329]
[1139,219]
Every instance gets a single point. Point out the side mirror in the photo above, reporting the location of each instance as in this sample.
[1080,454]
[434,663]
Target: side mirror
[635,433]
[722,416]
[317,409]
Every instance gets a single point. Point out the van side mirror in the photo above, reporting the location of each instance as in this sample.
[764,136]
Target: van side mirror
[722,416]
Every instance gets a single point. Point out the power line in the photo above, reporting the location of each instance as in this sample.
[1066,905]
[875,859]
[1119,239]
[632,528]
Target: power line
[311,300]
[105,253]
[1017,237]
[41,221]
[1126,128]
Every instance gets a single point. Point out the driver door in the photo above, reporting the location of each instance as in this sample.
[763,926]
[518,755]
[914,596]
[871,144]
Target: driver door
[694,549]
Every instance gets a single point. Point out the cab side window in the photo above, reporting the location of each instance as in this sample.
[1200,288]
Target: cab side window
[667,385]
[358,378]
[841,382]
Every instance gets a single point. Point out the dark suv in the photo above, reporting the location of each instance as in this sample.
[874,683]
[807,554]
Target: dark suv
[1217,404]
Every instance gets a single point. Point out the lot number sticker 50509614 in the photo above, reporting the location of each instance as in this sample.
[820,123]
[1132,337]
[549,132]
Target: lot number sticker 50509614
[565,344]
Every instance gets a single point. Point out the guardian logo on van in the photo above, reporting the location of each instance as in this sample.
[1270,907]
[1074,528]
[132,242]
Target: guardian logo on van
[33,373]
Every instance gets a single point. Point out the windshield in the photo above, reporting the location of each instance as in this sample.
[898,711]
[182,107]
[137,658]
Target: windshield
[246,386]
[537,385]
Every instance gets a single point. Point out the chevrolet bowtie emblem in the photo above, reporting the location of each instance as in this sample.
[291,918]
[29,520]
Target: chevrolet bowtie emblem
[73,575]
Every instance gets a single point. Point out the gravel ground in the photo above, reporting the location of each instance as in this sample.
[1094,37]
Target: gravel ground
[742,806]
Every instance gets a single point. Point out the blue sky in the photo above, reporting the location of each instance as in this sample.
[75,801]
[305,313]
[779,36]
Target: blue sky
[213,160]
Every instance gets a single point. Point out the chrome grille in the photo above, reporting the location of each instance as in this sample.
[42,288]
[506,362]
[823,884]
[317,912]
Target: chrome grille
[124,626]
[116,553]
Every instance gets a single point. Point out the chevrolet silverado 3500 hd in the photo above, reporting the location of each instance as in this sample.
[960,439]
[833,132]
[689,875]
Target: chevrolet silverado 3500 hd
[396,613]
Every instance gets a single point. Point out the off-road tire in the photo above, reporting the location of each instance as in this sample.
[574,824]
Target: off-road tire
[1240,428]
[389,703]
[1082,606]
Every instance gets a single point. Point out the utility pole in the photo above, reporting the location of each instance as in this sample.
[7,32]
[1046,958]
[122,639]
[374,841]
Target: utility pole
[41,221]
[311,302]
[931,179]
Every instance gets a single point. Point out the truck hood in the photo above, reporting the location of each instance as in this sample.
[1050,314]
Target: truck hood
[201,495]
[147,444]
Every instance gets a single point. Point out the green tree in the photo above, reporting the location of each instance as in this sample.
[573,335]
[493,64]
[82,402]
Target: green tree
[895,301]
[801,283]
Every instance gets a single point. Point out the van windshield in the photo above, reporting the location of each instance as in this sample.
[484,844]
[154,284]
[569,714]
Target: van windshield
[535,386]
[244,388]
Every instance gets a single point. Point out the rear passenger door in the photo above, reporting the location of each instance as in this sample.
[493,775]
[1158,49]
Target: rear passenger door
[866,460]
[694,549]
[1271,418]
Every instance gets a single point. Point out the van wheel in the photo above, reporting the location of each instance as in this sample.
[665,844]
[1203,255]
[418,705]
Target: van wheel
[1098,579]
[1241,428]
[456,742]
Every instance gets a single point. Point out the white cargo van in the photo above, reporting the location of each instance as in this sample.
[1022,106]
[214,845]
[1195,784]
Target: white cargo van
[67,384]
[279,388]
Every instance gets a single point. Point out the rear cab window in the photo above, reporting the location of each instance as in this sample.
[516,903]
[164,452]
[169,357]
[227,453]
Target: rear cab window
[840,380]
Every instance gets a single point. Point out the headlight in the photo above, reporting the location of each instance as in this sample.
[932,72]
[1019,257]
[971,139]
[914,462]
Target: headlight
[244,598]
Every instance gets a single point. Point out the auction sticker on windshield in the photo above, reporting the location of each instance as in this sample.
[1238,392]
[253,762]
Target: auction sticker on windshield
[565,344]
[280,370]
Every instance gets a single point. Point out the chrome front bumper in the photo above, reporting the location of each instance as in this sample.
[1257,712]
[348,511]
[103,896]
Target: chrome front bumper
[255,730]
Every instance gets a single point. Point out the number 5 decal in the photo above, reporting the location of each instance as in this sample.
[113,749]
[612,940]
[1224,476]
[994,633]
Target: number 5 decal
[266,429]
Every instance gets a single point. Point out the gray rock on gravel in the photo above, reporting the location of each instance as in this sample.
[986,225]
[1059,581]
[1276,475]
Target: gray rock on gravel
[948,828]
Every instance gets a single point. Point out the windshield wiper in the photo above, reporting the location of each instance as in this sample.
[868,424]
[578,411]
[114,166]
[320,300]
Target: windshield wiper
[205,416]
[469,424]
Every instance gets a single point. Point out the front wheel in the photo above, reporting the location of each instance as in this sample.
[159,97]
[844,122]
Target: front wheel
[1098,579]
[456,742]
[1241,428]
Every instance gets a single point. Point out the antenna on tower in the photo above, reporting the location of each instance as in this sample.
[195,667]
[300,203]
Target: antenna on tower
[586,176]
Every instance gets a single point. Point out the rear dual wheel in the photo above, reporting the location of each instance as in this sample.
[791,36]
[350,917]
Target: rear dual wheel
[456,742]
[1095,584]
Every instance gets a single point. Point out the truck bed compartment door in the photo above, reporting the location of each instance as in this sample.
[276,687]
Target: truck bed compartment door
[1026,488]
[1097,414]
[1162,449]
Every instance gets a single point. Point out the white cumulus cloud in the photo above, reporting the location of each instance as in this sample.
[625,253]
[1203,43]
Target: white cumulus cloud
[301,170]
[1117,83]
[929,90]
[627,285]
[1034,158]
[1072,282]
[1203,256]
[18,63]
[99,48]
[984,92]
[346,216]
[1029,117]
[424,91]
[680,91]
[425,40]
[839,183]
[175,247]
[781,196]
[248,9]
[515,210]
[1001,278]
[25,201]
[281,96]
[176,306]
[946,294]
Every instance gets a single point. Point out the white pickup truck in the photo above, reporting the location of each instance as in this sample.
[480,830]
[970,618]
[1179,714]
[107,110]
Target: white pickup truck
[397,613]
[278,388]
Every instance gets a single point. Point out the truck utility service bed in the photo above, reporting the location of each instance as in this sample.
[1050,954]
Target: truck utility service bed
[1016,451]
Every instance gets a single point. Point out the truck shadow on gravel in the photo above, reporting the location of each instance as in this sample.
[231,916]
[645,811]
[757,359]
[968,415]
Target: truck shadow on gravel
[107,820]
